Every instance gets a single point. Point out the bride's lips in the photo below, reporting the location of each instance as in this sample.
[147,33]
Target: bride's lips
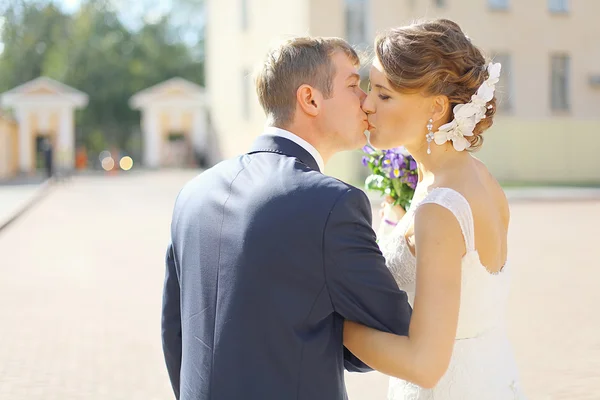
[370,126]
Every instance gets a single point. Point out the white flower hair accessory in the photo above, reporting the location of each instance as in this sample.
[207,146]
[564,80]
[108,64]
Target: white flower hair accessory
[467,116]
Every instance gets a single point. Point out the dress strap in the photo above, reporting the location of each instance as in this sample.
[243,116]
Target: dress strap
[459,206]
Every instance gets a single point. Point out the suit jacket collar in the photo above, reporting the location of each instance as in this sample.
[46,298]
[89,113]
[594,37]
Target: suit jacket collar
[277,144]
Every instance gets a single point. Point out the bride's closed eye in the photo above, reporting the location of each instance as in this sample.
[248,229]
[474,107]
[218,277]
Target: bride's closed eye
[383,97]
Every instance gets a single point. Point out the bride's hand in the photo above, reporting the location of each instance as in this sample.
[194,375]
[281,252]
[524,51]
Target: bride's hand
[391,214]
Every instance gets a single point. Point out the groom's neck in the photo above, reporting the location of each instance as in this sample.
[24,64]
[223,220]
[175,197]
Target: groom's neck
[314,137]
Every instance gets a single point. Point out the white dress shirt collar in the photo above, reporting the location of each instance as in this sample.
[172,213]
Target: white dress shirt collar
[271,130]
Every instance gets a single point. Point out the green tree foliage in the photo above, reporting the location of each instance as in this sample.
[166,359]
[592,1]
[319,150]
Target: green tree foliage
[93,51]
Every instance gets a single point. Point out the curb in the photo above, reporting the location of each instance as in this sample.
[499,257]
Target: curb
[552,194]
[39,194]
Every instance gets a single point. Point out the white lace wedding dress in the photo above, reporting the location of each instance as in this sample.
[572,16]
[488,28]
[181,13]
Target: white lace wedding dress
[482,365]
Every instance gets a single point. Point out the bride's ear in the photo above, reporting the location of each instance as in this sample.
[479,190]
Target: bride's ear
[440,109]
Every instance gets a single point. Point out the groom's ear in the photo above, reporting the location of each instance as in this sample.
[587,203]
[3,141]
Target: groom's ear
[440,107]
[309,100]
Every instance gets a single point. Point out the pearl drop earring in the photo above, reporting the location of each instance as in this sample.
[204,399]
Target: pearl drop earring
[429,135]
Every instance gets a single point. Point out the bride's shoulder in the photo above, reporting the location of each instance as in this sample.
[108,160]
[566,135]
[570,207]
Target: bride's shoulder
[480,189]
[485,196]
[488,187]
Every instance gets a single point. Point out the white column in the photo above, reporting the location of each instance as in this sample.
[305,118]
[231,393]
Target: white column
[66,139]
[25,161]
[150,127]
[199,130]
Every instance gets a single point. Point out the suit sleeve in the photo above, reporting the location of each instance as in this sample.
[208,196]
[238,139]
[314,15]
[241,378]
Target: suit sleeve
[361,287]
[171,321]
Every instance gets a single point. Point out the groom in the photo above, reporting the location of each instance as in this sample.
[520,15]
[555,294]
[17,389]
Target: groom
[269,256]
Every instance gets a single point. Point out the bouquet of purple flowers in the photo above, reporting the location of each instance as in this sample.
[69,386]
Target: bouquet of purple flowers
[393,173]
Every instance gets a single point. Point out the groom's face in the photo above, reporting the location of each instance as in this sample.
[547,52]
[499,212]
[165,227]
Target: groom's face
[343,116]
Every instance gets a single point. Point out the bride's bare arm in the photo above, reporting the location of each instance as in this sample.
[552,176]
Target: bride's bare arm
[424,355]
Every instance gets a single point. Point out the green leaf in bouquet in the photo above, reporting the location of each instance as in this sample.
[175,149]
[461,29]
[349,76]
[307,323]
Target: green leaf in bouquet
[404,194]
[397,185]
[374,182]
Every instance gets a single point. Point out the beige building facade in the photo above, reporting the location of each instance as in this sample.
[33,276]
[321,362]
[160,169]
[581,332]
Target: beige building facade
[548,128]
[44,111]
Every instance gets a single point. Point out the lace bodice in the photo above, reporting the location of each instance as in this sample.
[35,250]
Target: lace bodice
[483,294]
[482,366]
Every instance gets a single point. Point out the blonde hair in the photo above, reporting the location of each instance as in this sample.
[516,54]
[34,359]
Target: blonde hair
[298,61]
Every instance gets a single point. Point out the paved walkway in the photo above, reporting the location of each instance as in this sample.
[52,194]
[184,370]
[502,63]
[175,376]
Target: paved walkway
[82,278]
[14,198]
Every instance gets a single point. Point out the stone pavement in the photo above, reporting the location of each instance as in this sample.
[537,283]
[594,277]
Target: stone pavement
[16,196]
[80,291]
[81,281]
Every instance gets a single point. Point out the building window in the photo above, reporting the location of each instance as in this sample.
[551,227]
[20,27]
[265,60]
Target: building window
[246,81]
[498,4]
[558,6]
[356,22]
[244,14]
[559,82]
[504,88]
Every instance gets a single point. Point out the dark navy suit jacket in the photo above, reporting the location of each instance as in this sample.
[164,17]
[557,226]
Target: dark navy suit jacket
[268,257]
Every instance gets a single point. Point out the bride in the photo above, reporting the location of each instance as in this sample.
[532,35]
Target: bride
[432,91]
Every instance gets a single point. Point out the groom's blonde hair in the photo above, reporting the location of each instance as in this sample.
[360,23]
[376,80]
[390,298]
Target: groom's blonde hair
[296,62]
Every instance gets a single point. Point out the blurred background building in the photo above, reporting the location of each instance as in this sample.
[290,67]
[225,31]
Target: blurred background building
[173,121]
[133,72]
[8,146]
[44,110]
[171,85]
[547,130]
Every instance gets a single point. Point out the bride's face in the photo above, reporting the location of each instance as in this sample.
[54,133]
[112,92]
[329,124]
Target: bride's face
[396,119]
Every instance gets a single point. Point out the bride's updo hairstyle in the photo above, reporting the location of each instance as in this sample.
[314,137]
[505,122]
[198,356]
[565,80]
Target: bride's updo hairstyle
[436,58]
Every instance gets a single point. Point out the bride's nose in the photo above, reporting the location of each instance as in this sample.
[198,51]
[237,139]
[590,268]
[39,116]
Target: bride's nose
[368,105]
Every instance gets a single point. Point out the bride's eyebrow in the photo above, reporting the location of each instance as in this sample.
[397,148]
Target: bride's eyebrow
[382,87]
